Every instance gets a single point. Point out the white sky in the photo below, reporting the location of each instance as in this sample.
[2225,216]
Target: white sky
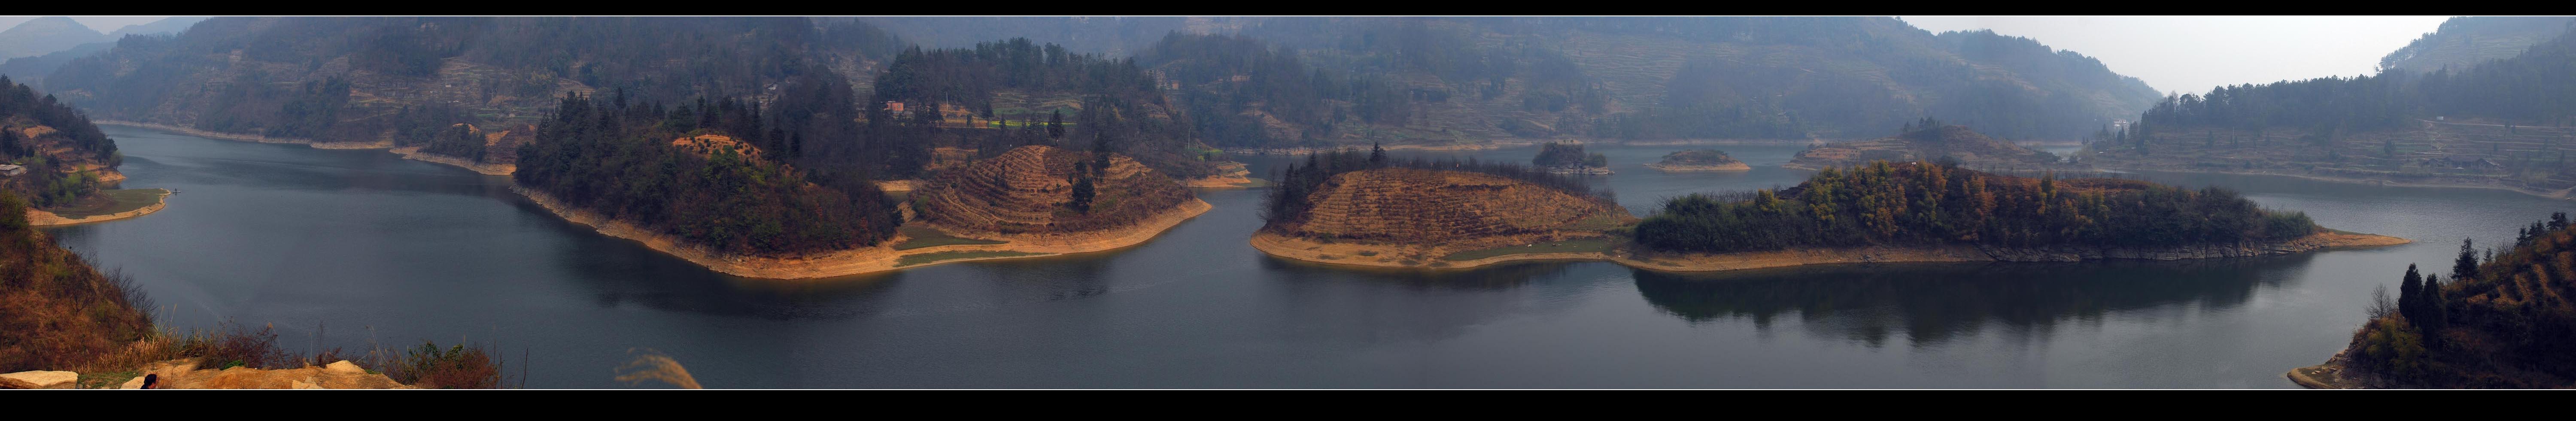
[2192,54]
[102,24]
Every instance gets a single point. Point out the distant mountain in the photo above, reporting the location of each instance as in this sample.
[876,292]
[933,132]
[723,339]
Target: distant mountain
[407,80]
[45,35]
[2470,40]
[1443,80]
[170,25]
[32,70]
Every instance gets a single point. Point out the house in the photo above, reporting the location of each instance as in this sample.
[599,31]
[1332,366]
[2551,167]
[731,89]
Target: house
[12,170]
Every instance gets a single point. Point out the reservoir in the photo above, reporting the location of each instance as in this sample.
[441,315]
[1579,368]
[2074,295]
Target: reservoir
[347,248]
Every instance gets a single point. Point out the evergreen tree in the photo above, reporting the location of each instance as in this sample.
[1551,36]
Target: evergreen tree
[2466,267]
[2410,295]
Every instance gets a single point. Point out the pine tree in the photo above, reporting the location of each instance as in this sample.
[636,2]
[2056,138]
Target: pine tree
[1055,124]
[2410,296]
[1377,154]
[2466,267]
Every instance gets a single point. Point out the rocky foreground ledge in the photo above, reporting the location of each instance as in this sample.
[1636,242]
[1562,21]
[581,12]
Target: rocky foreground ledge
[184,374]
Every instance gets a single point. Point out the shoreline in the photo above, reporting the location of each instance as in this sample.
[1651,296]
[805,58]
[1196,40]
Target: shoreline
[1305,250]
[1233,176]
[2561,194]
[412,153]
[1302,150]
[878,258]
[1738,166]
[42,218]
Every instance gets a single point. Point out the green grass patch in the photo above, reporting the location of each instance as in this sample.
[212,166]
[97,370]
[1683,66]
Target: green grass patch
[916,259]
[1568,246]
[1597,222]
[921,237]
[115,201]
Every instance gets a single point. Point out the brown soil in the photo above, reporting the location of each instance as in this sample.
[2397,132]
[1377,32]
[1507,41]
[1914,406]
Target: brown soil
[1425,206]
[1028,190]
[1231,175]
[185,374]
[41,218]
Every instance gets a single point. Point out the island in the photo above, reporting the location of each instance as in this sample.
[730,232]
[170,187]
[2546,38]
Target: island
[64,167]
[1698,160]
[1348,211]
[2499,320]
[1569,158]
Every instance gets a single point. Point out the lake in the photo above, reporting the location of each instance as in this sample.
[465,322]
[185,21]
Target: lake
[346,248]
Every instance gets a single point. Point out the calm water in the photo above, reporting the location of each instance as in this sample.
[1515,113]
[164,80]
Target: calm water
[341,248]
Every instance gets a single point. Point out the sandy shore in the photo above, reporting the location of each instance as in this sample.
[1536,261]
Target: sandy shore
[879,258]
[1736,166]
[412,153]
[1231,175]
[1427,256]
[42,218]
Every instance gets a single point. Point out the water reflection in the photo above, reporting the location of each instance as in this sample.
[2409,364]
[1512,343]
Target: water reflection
[1501,277]
[1931,304]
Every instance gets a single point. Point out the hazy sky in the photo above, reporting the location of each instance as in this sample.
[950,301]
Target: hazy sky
[2192,54]
[102,24]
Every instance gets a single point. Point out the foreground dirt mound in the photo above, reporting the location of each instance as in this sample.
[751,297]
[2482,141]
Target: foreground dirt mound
[1422,206]
[184,374]
[1030,190]
[1958,142]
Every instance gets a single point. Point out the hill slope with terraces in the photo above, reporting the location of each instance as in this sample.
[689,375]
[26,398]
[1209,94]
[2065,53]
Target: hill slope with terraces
[1031,189]
[1411,217]
[1966,146]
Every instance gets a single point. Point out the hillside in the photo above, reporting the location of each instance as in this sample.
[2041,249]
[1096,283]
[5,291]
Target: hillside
[1442,81]
[1355,209]
[998,95]
[1044,189]
[55,310]
[1933,142]
[65,159]
[2505,320]
[45,35]
[2466,41]
[2497,124]
[400,80]
[169,25]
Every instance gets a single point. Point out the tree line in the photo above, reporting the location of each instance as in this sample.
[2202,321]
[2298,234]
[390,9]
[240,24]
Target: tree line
[2531,88]
[52,179]
[616,158]
[2503,319]
[1927,204]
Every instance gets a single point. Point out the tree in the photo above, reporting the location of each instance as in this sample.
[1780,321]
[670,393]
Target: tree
[1055,124]
[2410,295]
[2466,267]
[1082,194]
[1377,154]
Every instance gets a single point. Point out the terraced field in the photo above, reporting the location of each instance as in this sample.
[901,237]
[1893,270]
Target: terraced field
[1029,189]
[1427,206]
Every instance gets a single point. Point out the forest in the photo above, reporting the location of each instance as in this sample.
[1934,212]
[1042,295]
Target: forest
[1288,201]
[1553,154]
[2502,320]
[1118,106]
[616,157]
[1274,83]
[1937,203]
[2530,89]
[52,178]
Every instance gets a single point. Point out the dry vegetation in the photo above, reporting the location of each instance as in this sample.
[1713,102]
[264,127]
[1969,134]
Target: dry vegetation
[1030,190]
[1429,206]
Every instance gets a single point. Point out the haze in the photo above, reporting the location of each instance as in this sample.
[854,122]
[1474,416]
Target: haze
[2194,53]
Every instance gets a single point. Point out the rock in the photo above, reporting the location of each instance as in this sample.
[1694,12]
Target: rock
[136,383]
[39,380]
[343,367]
[300,384]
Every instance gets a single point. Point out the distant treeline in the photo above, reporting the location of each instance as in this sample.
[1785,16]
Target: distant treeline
[1118,105]
[1929,204]
[2528,89]
[2507,320]
[1555,154]
[1276,82]
[1287,201]
[617,159]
